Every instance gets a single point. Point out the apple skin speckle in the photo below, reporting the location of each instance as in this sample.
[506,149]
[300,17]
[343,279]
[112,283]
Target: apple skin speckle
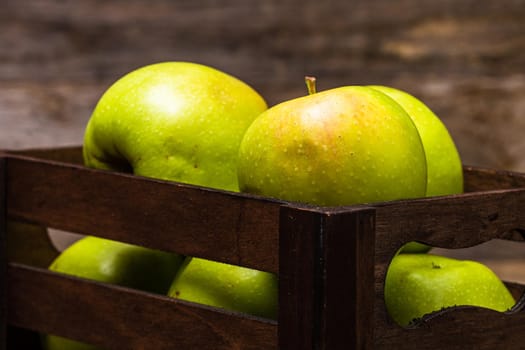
[163,119]
[354,143]
[419,284]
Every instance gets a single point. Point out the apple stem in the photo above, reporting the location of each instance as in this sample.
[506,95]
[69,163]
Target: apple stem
[310,84]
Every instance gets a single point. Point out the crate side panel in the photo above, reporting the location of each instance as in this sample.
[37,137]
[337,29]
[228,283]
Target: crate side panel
[448,222]
[95,313]
[461,328]
[71,154]
[482,179]
[189,220]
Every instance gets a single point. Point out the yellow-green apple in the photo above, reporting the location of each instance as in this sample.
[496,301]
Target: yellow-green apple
[444,167]
[419,284]
[51,342]
[341,146]
[177,121]
[115,263]
[227,286]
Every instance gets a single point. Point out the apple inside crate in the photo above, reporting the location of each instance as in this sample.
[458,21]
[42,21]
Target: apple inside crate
[331,261]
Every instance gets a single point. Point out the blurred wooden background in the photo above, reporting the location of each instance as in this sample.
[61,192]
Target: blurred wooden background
[464,58]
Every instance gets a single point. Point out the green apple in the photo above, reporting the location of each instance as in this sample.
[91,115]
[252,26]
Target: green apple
[341,146]
[177,121]
[444,167]
[116,263]
[418,284]
[227,286]
[51,342]
[119,263]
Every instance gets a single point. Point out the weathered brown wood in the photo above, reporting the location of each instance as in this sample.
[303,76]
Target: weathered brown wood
[311,248]
[65,154]
[271,45]
[482,179]
[450,222]
[3,253]
[325,272]
[121,318]
[193,221]
[461,328]
[299,279]
[347,279]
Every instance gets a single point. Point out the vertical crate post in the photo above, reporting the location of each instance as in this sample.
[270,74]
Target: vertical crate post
[299,288]
[326,271]
[3,253]
[348,277]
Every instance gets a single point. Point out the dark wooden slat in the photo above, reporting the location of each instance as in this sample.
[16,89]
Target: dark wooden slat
[450,222]
[122,318]
[3,253]
[193,221]
[482,179]
[71,154]
[348,278]
[459,328]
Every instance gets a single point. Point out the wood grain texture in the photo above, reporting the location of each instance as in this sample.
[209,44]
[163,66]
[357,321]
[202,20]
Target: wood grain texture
[3,253]
[461,328]
[312,249]
[65,154]
[64,305]
[185,219]
[453,222]
[348,278]
[483,179]
[299,279]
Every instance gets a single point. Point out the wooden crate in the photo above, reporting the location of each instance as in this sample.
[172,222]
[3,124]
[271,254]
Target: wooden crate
[331,261]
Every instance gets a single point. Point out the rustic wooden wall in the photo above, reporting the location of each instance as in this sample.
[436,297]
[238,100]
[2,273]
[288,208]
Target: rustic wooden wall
[465,58]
